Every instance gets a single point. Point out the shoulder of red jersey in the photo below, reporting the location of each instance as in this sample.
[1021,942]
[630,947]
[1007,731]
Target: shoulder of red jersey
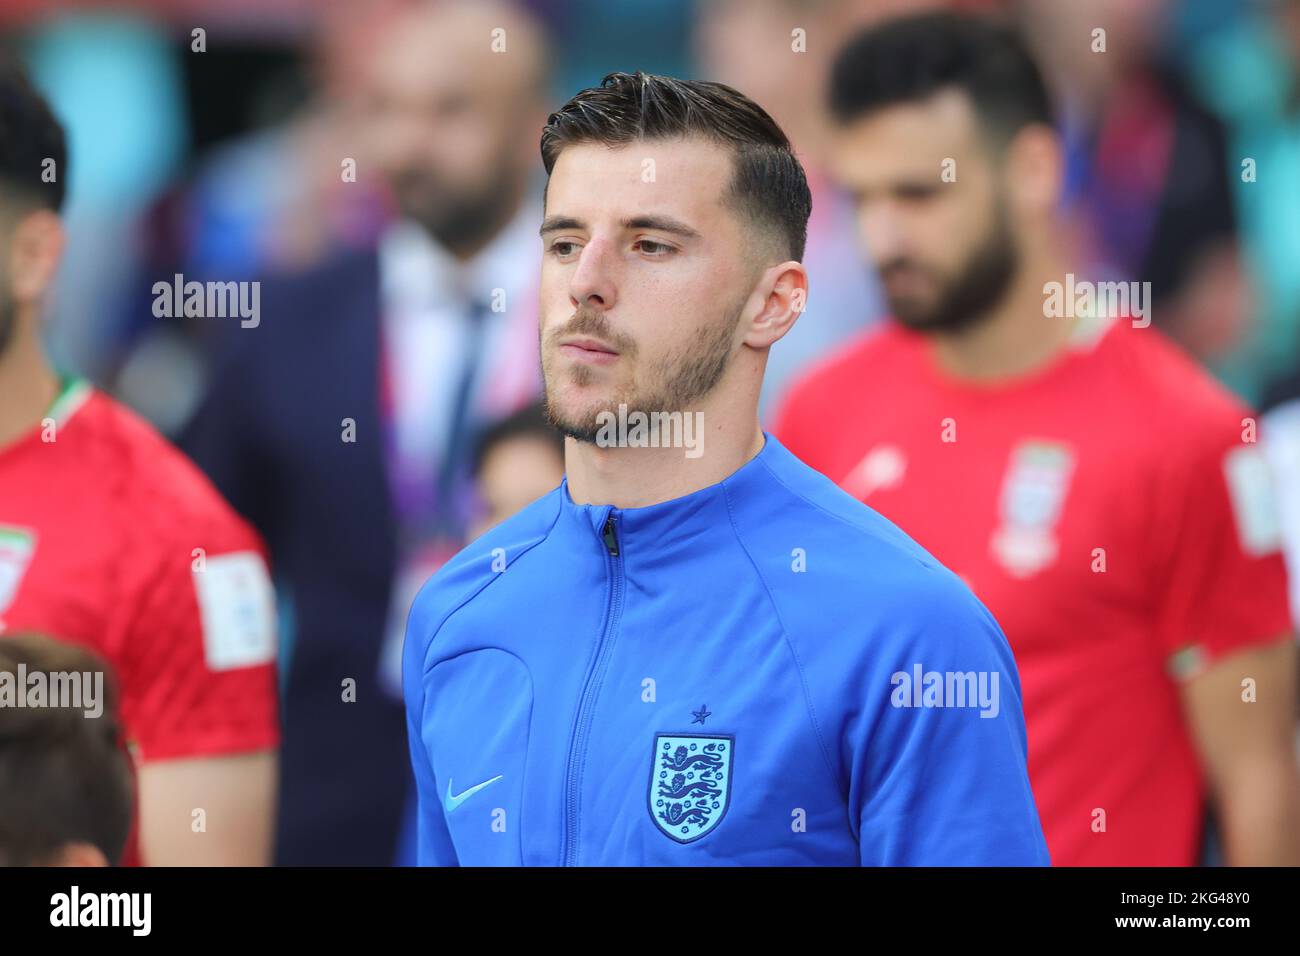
[1168,381]
[879,343]
[158,484]
[878,346]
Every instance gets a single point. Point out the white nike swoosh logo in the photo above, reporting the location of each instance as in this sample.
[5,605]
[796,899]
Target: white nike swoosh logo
[452,803]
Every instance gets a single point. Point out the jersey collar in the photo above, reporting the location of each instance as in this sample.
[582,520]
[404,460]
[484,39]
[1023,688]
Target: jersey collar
[73,393]
[71,397]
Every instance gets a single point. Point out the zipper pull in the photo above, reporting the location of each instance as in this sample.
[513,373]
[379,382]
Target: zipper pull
[610,536]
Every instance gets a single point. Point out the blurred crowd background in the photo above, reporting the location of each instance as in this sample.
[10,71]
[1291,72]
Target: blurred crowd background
[302,143]
[226,162]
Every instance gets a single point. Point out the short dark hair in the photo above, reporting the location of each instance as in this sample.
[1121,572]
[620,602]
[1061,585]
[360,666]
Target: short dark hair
[768,182]
[64,777]
[29,135]
[912,58]
[528,422]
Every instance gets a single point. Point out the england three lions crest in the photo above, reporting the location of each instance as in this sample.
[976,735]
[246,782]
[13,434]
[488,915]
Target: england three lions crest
[690,783]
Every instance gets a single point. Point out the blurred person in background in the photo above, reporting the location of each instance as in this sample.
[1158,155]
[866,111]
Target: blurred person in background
[110,538]
[115,77]
[518,459]
[778,52]
[276,198]
[66,792]
[1099,492]
[1245,63]
[343,425]
[1148,190]
[1280,428]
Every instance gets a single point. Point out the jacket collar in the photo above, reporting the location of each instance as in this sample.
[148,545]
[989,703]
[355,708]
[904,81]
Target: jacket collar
[683,519]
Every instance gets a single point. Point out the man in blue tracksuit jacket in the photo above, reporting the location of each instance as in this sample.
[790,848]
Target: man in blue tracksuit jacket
[697,650]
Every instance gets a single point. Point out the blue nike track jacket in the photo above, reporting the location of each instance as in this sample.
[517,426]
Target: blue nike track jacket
[763,672]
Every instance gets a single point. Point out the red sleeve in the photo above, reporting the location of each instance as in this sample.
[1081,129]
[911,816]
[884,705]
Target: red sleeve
[199,648]
[1217,550]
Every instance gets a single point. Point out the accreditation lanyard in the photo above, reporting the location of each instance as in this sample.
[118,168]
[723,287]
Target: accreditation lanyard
[432,495]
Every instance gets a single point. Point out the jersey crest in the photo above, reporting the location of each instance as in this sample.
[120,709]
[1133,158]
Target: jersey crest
[1033,493]
[690,784]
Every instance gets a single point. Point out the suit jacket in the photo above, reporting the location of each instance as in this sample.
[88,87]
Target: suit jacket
[270,434]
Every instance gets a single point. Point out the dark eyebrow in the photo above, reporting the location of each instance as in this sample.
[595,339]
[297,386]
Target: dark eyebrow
[658,223]
[552,223]
[661,224]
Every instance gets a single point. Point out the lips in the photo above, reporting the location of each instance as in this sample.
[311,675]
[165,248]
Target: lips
[592,351]
[589,345]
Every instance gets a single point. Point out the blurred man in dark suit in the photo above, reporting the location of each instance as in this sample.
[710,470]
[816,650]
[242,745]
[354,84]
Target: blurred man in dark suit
[343,426]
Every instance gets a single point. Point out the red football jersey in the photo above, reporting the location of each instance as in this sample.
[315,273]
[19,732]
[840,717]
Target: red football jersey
[1112,511]
[111,538]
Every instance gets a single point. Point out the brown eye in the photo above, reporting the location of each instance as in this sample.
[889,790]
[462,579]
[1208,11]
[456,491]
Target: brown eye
[654,249]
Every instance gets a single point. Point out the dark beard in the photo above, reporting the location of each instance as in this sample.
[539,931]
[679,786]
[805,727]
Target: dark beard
[981,285]
[687,375]
[462,224]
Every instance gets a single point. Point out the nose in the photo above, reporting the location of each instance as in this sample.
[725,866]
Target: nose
[879,235]
[593,282]
[394,138]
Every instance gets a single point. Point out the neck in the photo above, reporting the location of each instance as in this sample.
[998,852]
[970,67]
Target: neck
[1015,336]
[728,435]
[27,383]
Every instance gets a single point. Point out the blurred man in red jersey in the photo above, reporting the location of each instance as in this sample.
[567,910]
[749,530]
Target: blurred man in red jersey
[111,539]
[1100,493]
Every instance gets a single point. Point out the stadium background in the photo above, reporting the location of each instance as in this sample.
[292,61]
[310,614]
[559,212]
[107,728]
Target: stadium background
[224,164]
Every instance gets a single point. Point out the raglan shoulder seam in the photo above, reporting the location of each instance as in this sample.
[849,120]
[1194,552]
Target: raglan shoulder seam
[840,518]
[785,634]
[481,586]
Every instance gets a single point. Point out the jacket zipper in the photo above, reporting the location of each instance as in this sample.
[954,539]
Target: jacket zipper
[590,691]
